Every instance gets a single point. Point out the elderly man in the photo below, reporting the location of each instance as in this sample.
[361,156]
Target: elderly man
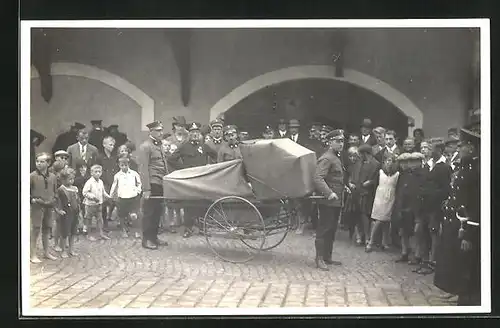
[458,261]
[82,150]
[230,149]
[329,182]
[153,167]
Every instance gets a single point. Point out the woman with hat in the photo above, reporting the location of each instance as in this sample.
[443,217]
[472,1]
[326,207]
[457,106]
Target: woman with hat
[458,261]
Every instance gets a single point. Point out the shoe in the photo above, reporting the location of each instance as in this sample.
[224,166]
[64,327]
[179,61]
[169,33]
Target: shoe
[403,258]
[332,262]
[160,242]
[368,249]
[50,256]
[73,253]
[104,237]
[35,259]
[64,255]
[57,249]
[149,245]
[320,264]
[91,238]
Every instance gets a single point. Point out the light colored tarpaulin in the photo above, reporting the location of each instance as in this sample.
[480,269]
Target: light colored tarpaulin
[209,182]
[279,168]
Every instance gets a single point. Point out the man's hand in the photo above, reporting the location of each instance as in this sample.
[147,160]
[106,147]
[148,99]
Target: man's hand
[366,183]
[352,186]
[61,212]
[333,196]
[146,194]
[465,245]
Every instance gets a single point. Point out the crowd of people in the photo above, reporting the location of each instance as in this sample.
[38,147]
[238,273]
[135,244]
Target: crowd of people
[422,194]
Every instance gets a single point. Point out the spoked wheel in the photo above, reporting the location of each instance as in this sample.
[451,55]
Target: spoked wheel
[278,221]
[234,229]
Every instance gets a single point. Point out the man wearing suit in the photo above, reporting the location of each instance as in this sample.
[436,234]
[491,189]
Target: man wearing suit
[82,150]
[282,129]
[362,184]
[367,136]
[390,146]
[293,132]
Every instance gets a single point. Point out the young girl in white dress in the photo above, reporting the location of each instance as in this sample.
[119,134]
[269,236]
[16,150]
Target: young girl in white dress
[384,201]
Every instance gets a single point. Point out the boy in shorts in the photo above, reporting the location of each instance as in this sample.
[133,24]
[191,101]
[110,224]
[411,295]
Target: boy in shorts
[43,185]
[94,195]
[127,187]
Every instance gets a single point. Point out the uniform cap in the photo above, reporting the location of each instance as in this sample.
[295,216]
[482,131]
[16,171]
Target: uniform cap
[471,134]
[79,126]
[293,123]
[156,125]
[194,126]
[230,129]
[61,153]
[216,122]
[94,122]
[113,126]
[326,128]
[367,123]
[268,129]
[336,135]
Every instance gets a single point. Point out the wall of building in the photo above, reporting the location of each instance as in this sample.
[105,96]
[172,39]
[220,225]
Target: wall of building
[430,67]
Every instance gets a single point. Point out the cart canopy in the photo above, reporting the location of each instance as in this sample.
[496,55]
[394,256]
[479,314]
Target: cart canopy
[209,182]
[279,168]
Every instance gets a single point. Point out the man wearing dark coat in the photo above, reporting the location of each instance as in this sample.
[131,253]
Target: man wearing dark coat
[36,140]
[367,136]
[192,154]
[66,139]
[362,184]
[282,131]
[329,182]
[294,133]
[153,166]
[96,135]
[458,262]
[214,143]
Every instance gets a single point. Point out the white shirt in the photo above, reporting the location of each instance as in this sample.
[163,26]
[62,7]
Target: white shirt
[126,184]
[452,160]
[295,137]
[282,133]
[431,163]
[94,189]
[365,138]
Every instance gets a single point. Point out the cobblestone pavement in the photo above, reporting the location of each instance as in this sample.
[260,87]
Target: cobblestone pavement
[119,273]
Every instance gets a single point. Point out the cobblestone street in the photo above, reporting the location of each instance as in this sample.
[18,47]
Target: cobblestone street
[119,273]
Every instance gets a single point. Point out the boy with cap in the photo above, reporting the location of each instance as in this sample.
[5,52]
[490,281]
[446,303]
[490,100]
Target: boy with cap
[43,186]
[458,259]
[408,203]
[192,154]
[153,167]
[62,156]
[230,149]
[329,182]
[213,145]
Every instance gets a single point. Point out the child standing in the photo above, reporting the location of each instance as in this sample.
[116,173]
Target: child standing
[94,195]
[127,186]
[43,186]
[68,208]
[81,176]
[383,203]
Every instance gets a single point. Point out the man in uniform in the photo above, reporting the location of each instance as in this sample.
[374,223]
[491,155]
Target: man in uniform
[458,261]
[66,139]
[329,182]
[36,140]
[152,168]
[243,135]
[192,154]
[96,135]
[230,149]
[282,129]
[268,133]
[215,141]
[451,150]
[120,138]
[325,130]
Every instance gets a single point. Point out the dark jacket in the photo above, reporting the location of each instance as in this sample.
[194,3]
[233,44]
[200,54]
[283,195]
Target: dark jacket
[364,171]
[372,141]
[301,139]
[228,153]
[192,154]
[64,140]
[152,163]
[436,187]
[329,177]
[109,168]
[211,148]
[95,138]
[379,156]
[409,192]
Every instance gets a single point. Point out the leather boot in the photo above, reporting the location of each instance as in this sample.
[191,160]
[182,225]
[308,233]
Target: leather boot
[320,263]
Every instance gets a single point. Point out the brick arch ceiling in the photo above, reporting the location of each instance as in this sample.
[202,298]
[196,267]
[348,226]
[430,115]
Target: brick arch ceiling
[91,72]
[398,99]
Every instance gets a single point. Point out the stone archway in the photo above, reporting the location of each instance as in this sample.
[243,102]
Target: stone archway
[91,72]
[398,99]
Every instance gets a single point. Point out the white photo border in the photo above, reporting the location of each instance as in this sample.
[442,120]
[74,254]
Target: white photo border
[485,95]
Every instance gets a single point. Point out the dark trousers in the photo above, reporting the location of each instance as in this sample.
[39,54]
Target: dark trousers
[152,210]
[310,210]
[326,230]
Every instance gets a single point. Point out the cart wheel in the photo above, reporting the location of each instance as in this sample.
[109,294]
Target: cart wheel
[278,221]
[234,229]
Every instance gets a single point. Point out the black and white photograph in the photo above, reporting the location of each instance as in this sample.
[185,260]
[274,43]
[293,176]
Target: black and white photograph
[255,167]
